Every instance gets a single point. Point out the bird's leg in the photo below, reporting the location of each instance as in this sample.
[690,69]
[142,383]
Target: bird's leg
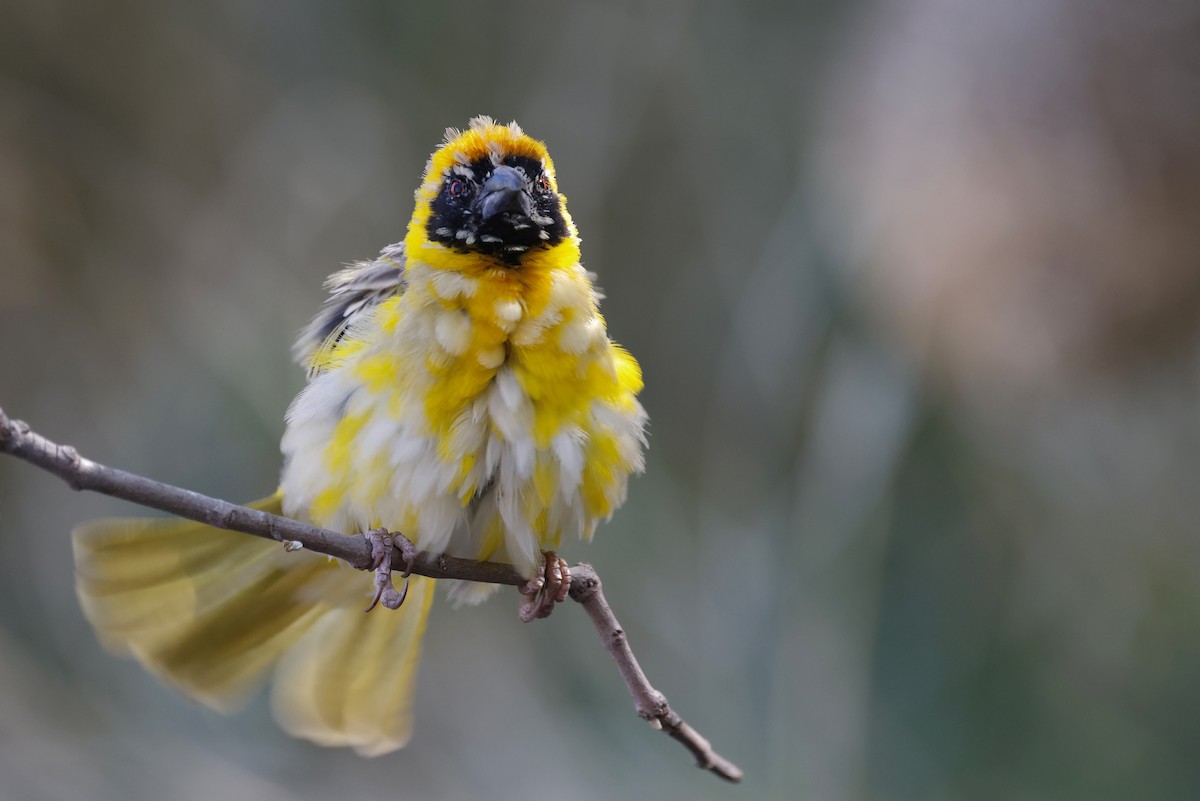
[383,547]
[549,586]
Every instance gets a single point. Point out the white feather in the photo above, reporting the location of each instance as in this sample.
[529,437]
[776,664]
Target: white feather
[491,358]
[448,284]
[453,331]
[568,450]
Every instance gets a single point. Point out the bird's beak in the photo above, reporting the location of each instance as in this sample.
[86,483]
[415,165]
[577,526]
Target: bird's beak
[503,191]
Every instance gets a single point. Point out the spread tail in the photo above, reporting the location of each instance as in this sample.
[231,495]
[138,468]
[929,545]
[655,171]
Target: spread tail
[217,613]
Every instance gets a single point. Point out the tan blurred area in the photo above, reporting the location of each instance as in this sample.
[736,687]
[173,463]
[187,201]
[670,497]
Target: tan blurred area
[915,288]
[1035,224]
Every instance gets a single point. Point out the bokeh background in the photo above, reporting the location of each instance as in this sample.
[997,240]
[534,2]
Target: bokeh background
[916,288]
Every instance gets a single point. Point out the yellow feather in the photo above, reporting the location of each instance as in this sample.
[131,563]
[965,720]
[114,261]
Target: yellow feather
[212,612]
[161,590]
[349,681]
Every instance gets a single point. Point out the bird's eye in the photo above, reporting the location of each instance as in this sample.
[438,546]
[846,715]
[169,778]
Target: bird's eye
[458,188]
[543,183]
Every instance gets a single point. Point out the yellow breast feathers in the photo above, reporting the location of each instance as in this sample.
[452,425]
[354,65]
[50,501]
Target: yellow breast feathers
[464,390]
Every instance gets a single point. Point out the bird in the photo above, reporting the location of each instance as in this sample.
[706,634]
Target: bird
[462,390]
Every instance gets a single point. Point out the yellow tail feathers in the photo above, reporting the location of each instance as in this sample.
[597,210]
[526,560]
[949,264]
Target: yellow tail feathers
[216,613]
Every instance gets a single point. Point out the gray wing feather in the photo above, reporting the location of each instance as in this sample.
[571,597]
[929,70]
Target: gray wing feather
[352,290]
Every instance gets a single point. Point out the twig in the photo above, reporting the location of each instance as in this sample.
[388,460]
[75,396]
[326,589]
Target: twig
[80,473]
[649,702]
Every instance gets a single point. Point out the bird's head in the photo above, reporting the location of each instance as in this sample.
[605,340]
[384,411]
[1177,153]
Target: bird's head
[490,198]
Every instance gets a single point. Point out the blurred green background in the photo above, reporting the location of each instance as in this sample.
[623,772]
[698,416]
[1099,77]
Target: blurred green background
[916,289]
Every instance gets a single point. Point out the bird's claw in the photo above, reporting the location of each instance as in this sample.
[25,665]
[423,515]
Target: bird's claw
[549,587]
[383,549]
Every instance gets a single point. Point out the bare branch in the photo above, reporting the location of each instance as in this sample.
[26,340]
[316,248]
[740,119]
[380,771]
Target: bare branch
[79,473]
[649,702]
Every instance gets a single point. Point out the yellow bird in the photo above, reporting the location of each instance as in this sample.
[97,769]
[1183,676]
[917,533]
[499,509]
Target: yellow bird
[463,391]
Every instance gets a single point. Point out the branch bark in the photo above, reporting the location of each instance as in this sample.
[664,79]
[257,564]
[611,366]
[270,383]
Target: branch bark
[17,439]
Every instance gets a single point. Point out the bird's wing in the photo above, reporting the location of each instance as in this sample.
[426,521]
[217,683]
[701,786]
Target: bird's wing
[353,291]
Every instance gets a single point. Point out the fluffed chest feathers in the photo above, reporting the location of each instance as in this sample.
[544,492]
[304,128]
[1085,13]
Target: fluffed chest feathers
[495,410]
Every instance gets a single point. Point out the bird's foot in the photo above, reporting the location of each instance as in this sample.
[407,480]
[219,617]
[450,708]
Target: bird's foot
[383,551]
[549,587]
